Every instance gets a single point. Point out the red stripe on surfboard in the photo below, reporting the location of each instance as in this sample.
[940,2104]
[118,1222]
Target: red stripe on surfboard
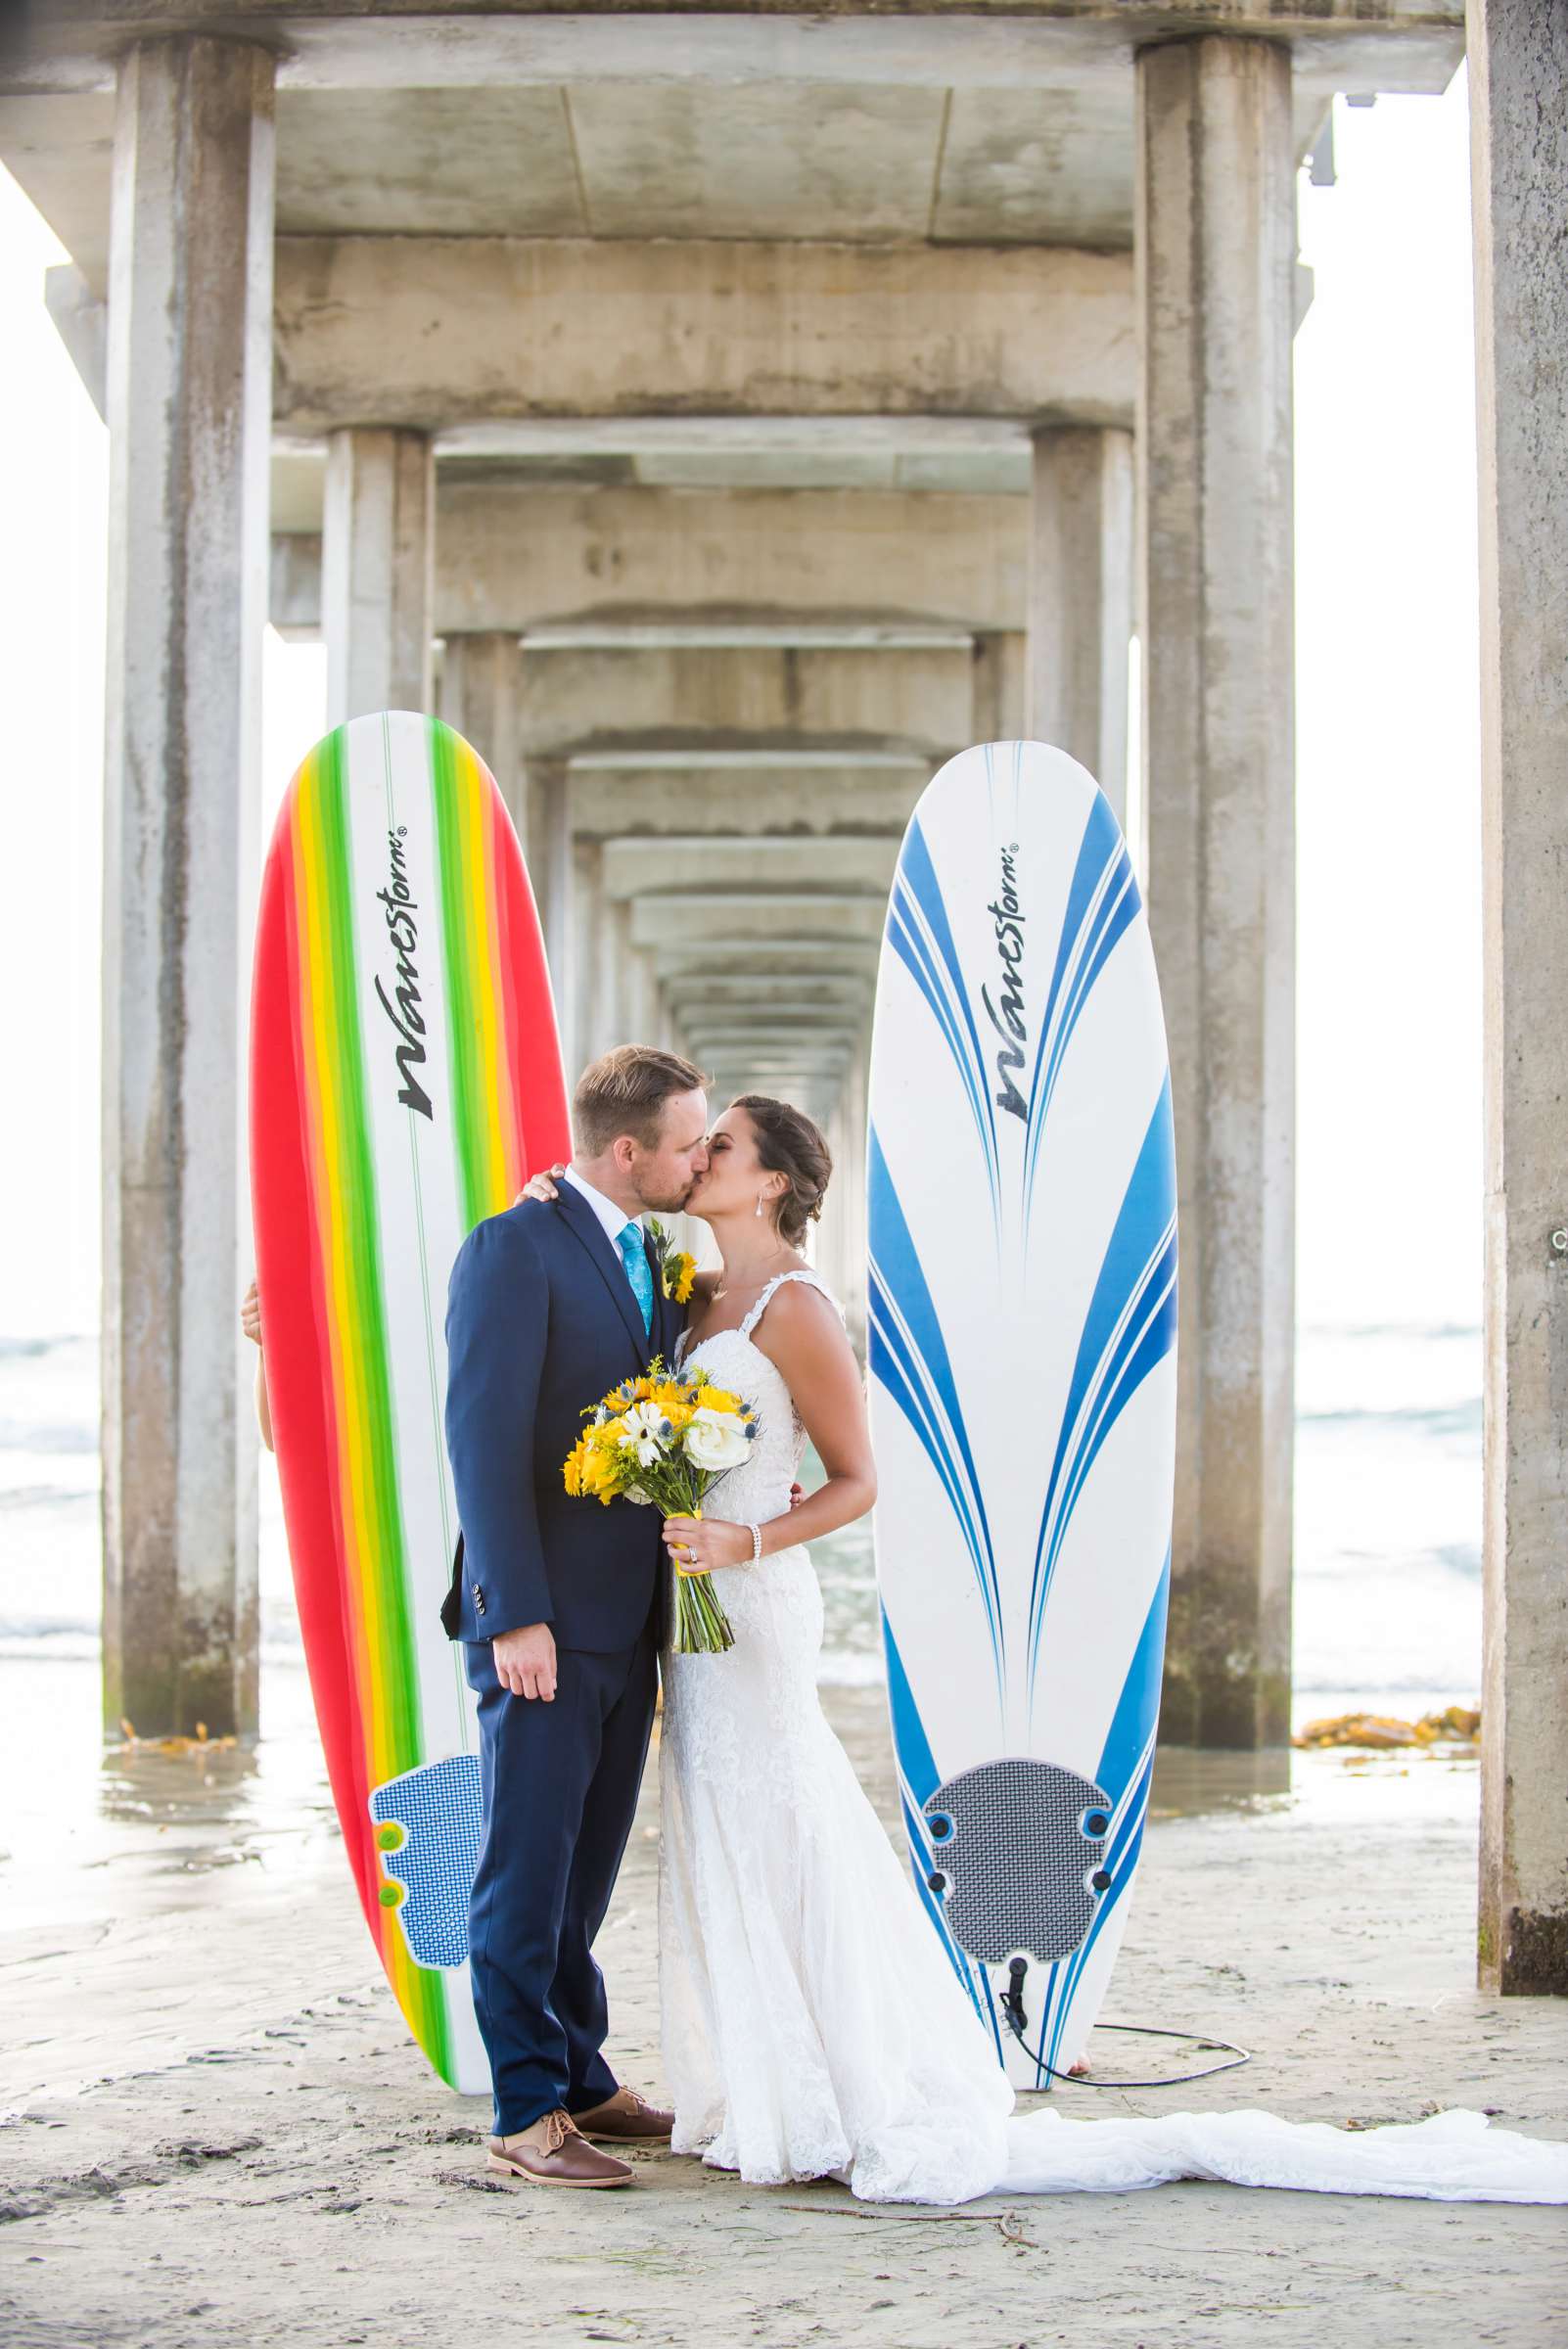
[298,1362]
[532,1046]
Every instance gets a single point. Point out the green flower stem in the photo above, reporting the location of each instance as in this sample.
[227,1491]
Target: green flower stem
[702,1628]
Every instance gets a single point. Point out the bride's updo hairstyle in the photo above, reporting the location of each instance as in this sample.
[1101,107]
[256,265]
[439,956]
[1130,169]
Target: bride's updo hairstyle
[789,1144]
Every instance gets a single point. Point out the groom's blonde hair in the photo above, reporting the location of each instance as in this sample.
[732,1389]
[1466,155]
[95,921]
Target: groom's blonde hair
[625,1092]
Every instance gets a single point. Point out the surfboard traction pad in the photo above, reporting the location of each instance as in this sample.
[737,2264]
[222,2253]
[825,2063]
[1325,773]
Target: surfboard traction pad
[429,1826]
[1016,1857]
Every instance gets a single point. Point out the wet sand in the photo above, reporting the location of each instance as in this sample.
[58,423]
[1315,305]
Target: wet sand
[220,2134]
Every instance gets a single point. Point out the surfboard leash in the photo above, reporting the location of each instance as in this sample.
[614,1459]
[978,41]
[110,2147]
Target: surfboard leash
[1012,2006]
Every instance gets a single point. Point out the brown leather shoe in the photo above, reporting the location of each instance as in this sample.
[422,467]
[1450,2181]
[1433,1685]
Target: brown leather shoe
[625,2118]
[552,2153]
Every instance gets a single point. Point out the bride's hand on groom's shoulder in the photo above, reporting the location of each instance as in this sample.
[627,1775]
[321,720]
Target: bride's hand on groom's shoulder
[544,1187]
[700,1543]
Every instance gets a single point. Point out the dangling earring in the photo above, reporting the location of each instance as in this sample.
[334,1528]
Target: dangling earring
[759,1202]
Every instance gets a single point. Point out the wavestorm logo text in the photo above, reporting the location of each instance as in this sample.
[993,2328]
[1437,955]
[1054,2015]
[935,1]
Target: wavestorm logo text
[1009,1022]
[403,1007]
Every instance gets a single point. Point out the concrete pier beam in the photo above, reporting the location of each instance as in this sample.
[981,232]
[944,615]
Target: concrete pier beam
[481,330]
[838,919]
[378,571]
[640,867]
[824,801]
[804,573]
[188,374]
[1081,599]
[1216,249]
[773,961]
[1519,117]
[481,696]
[524,556]
[572,694]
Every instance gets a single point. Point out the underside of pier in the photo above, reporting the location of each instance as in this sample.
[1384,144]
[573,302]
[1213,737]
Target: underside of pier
[722,418]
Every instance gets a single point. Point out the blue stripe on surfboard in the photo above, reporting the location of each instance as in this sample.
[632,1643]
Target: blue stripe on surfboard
[1126,1769]
[915,1757]
[894,1366]
[920,874]
[1120,1863]
[1116,918]
[1102,902]
[1130,1327]
[921,935]
[908,1355]
[918,1783]
[1148,1338]
[1138,1708]
[899,1375]
[904,938]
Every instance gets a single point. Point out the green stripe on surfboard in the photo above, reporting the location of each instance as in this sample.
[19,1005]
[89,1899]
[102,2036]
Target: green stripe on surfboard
[390,1652]
[462,979]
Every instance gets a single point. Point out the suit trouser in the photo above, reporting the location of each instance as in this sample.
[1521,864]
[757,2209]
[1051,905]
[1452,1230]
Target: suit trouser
[560,1788]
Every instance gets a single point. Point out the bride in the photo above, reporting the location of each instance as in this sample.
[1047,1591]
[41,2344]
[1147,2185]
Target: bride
[812,2024]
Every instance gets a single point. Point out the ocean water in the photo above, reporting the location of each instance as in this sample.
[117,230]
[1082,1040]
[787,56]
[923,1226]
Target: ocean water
[1388,1521]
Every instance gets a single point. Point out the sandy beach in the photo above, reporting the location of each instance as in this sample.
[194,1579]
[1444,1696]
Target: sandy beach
[217,2130]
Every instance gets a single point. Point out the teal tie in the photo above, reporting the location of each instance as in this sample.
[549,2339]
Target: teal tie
[633,1256]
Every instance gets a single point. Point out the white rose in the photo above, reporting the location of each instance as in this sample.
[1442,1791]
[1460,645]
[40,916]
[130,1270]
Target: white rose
[715,1439]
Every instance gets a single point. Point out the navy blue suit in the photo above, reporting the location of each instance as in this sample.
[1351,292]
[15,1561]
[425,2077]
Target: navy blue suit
[540,1321]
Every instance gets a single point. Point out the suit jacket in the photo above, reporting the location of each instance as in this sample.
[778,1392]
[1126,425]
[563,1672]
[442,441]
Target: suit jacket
[542,1322]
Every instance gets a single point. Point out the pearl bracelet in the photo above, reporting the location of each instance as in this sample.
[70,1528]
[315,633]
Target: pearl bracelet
[756,1546]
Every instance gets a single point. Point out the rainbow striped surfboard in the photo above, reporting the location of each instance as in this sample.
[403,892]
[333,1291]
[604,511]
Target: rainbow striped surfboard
[405,1075]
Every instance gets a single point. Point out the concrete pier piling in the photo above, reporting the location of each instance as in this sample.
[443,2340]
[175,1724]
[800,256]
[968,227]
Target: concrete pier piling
[1519,115]
[482,695]
[189,352]
[1215,252]
[378,570]
[1081,575]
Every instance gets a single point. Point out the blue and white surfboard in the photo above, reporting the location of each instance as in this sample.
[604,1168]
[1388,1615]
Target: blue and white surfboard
[1023,1322]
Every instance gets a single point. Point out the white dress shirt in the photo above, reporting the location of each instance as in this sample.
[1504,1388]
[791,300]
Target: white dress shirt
[613,1219]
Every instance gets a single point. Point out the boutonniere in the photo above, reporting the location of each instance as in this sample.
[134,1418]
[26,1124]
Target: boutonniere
[676,1269]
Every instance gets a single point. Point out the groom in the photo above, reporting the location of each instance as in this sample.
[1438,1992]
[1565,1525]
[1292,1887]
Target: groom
[555,1599]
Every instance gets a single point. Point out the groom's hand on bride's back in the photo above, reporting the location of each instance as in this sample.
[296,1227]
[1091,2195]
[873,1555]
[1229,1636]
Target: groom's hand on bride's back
[525,1661]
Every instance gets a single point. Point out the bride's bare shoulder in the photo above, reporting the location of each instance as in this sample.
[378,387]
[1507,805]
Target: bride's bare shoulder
[802,1335]
[799,1313]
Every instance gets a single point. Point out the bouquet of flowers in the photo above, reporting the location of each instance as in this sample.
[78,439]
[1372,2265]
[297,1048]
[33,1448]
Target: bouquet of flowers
[664,1439]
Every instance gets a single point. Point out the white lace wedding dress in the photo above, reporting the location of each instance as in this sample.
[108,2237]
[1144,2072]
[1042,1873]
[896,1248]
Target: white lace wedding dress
[812,2026]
